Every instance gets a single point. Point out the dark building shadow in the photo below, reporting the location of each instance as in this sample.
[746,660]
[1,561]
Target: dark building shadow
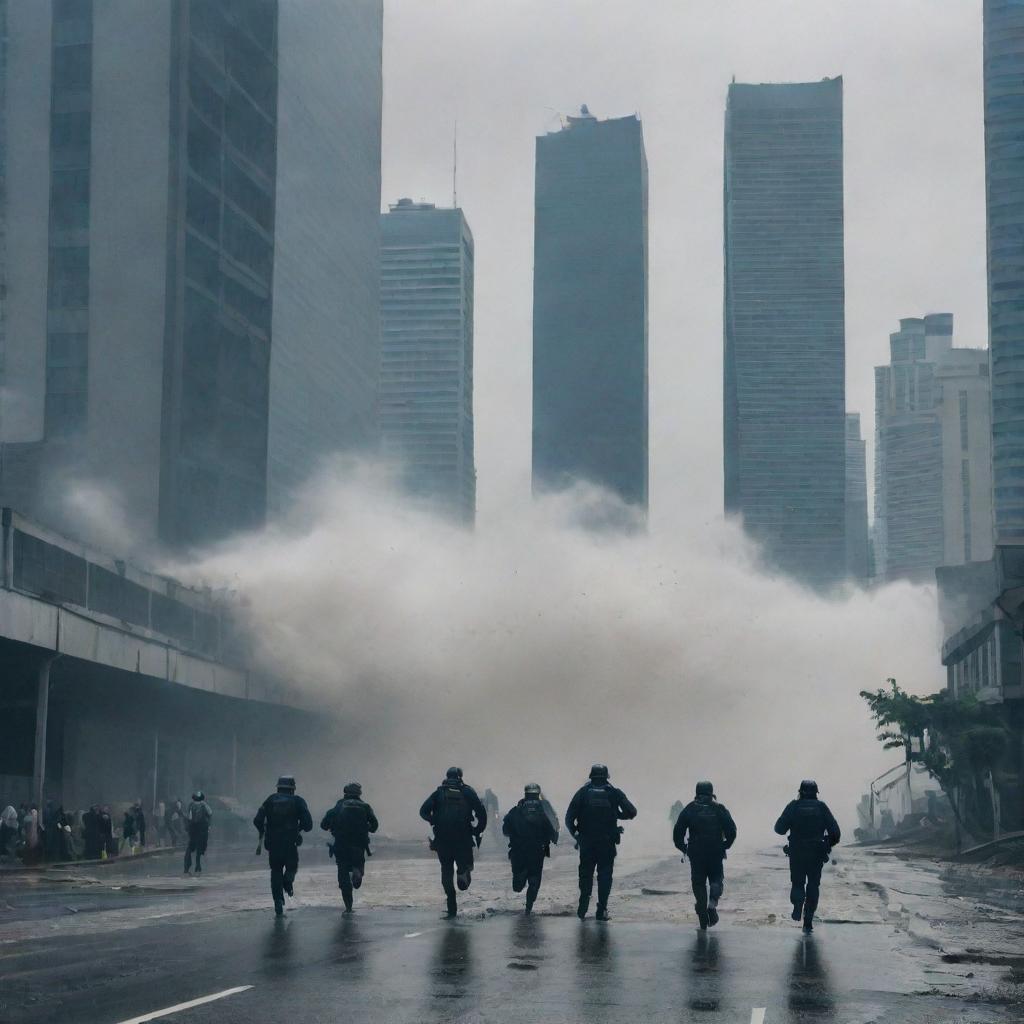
[810,987]
[704,973]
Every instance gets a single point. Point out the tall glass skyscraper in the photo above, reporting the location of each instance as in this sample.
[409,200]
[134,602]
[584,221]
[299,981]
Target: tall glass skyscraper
[784,366]
[590,308]
[1004,180]
[426,377]
[192,320]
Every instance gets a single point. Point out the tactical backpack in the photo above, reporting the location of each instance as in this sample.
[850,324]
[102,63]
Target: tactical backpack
[348,823]
[451,812]
[599,814]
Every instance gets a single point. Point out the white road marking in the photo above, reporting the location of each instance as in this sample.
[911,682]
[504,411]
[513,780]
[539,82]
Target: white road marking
[187,1006]
[413,935]
[757,1015]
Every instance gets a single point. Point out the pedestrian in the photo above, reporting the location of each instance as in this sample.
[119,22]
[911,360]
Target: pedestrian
[140,822]
[350,821]
[159,826]
[174,822]
[32,840]
[107,833]
[674,811]
[51,831]
[593,821]
[128,831]
[711,832]
[813,832]
[197,820]
[8,831]
[65,844]
[92,834]
[280,821]
[490,802]
[531,827]
[458,819]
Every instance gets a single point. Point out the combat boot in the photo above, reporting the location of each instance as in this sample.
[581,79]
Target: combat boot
[462,880]
[279,908]
[798,911]
[712,913]
[453,906]
[347,897]
[581,910]
[702,916]
[602,913]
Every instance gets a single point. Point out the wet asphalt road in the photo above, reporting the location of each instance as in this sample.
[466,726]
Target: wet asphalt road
[142,940]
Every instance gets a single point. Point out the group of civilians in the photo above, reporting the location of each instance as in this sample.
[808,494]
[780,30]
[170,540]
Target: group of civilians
[93,834]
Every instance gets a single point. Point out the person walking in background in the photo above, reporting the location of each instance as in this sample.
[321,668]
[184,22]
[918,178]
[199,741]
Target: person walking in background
[107,833]
[197,820]
[128,831]
[593,820]
[174,822]
[711,832]
[51,831]
[813,832]
[140,822]
[280,821]
[8,831]
[350,821]
[458,817]
[531,827]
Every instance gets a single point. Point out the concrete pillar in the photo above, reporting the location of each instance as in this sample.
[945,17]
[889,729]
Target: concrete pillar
[156,763]
[42,714]
[234,765]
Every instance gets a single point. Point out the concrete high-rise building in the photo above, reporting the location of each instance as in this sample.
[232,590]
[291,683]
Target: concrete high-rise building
[784,365]
[590,308]
[858,549]
[192,320]
[933,477]
[1004,185]
[426,378]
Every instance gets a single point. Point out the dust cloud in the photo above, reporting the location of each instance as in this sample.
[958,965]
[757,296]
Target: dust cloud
[531,647]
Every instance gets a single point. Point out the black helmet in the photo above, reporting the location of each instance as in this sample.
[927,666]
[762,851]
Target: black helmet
[599,772]
[198,795]
[453,773]
[808,788]
[704,788]
[353,789]
[532,789]
[286,782]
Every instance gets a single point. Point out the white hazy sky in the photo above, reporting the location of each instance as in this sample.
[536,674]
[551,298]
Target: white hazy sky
[504,69]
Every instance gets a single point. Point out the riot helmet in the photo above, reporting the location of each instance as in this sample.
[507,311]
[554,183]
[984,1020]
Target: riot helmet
[453,774]
[286,783]
[705,788]
[353,789]
[599,773]
[198,795]
[808,788]
[532,789]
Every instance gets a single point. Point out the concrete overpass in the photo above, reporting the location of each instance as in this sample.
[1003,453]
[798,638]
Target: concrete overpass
[118,683]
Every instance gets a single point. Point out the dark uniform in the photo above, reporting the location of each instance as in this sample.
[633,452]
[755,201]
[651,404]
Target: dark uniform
[351,822]
[458,819]
[197,821]
[711,832]
[813,832]
[592,820]
[531,827]
[281,819]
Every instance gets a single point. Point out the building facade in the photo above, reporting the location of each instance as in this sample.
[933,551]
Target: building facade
[932,452]
[858,548]
[426,377]
[784,359]
[1004,183]
[590,404]
[173,291]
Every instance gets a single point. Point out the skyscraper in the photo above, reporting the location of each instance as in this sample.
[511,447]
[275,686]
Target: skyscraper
[858,548]
[933,479]
[192,319]
[784,365]
[1004,182]
[590,307]
[426,379]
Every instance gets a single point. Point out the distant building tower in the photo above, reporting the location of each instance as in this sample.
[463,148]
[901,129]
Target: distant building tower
[426,380]
[590,308]
[858,559]
[932,452]
[1004,181]
[784,361]
[191,321]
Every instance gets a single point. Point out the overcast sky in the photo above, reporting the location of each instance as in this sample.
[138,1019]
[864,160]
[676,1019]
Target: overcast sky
[505,69]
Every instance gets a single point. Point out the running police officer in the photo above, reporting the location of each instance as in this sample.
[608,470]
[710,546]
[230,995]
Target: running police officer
[350,821]
[280,821]
[458,818]
[531,827]
[592,820]
[711,832]
[813,832]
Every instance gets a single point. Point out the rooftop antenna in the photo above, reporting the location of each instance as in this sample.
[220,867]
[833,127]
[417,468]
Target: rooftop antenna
[455,166]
